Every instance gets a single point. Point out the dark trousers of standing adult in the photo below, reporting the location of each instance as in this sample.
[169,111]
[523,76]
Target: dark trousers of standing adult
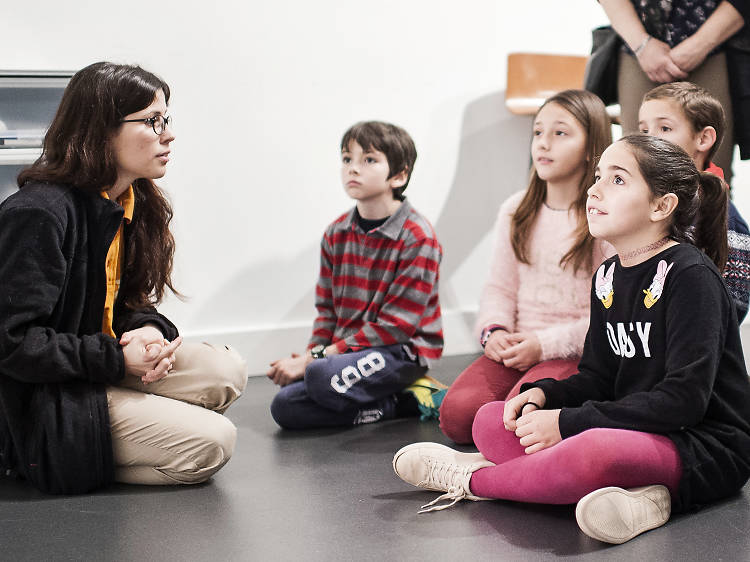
[347,389]
[711,74]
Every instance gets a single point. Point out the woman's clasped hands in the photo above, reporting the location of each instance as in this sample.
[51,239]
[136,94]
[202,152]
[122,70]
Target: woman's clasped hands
[657,61]
[147,354]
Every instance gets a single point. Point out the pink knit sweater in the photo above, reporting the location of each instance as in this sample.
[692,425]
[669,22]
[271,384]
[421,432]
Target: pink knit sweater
[540,297]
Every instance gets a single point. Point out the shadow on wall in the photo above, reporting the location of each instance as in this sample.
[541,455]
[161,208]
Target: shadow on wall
[247,309]
[253,296]
[493,163]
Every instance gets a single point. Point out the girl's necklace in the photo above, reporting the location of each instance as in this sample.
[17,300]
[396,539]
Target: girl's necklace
[653,246]
[553,208]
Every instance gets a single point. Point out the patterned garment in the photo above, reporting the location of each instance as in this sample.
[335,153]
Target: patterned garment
[737,272]
[380,287]
[673,21]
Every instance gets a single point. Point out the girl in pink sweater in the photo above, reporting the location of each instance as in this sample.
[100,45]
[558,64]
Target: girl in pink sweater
[534,309]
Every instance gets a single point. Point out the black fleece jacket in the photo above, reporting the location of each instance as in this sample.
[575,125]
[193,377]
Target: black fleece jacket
[55,362]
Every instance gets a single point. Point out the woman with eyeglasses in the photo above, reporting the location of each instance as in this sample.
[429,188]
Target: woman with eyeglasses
[95,385]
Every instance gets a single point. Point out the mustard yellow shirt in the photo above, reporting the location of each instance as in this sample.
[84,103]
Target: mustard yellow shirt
[115,257]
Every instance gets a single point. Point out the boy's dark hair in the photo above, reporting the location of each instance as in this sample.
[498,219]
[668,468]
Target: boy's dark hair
[702,200]
[698,105]
[389,139]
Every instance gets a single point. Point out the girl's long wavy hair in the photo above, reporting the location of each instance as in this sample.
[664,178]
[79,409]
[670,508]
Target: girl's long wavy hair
[590,112]
[700,217]
[78,151]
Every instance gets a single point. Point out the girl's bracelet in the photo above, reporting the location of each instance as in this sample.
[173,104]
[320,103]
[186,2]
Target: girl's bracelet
[487,332]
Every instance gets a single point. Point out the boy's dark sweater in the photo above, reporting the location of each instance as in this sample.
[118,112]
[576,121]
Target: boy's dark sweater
[674,368]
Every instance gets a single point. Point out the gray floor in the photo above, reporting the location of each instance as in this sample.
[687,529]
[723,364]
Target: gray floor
[330,495]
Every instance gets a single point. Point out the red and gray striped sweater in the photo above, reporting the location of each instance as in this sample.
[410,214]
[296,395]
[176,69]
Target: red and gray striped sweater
[380,287]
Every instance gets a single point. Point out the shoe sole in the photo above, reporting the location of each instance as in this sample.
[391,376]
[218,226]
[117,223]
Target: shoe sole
[588,524]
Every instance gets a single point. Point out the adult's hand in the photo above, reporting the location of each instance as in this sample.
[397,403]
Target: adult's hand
[150,362]
[656,61]
[690,53]
[150,342]
[143,336]
[722,24]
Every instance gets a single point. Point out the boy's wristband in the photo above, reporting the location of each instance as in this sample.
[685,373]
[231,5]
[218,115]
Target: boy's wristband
[487,332]
[318,351]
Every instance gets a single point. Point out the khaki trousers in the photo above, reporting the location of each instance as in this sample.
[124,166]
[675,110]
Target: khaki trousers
[172,431]
[632,84]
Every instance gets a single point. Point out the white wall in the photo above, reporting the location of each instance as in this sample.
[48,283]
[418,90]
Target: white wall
[262,92]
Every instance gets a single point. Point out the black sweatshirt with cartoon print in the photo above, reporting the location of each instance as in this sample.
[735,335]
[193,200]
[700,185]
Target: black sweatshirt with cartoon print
[663,355]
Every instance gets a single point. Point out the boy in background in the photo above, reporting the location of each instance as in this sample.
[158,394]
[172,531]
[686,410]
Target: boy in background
[693,119]
[379,326]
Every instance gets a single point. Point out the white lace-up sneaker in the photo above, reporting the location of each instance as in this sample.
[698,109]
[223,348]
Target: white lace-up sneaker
[436,467]
[615,515]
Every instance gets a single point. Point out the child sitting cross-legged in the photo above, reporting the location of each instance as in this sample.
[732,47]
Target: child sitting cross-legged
[657,419]
[533,312]
[379,325]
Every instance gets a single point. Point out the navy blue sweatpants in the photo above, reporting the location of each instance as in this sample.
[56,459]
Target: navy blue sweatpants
[347,389]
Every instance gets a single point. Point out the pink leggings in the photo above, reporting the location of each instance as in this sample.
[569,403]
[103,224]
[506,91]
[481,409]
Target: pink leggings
[485,381]
[572,468]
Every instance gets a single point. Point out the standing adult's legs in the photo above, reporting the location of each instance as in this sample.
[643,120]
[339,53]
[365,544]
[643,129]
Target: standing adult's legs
[712,75]
[632,85]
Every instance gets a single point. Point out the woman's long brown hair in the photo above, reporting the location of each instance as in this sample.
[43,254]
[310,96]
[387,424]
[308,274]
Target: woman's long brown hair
[590,112]
[77,151]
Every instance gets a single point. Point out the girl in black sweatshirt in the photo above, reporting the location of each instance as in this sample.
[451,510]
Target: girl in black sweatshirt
[658,417]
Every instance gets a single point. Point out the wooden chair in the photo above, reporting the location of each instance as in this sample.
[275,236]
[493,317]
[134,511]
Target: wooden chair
[532,78]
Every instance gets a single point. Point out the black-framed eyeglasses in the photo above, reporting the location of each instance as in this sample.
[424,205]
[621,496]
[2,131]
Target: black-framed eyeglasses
[158,122]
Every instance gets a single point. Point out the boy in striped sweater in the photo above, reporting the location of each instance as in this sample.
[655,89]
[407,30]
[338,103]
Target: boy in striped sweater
[378,327]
